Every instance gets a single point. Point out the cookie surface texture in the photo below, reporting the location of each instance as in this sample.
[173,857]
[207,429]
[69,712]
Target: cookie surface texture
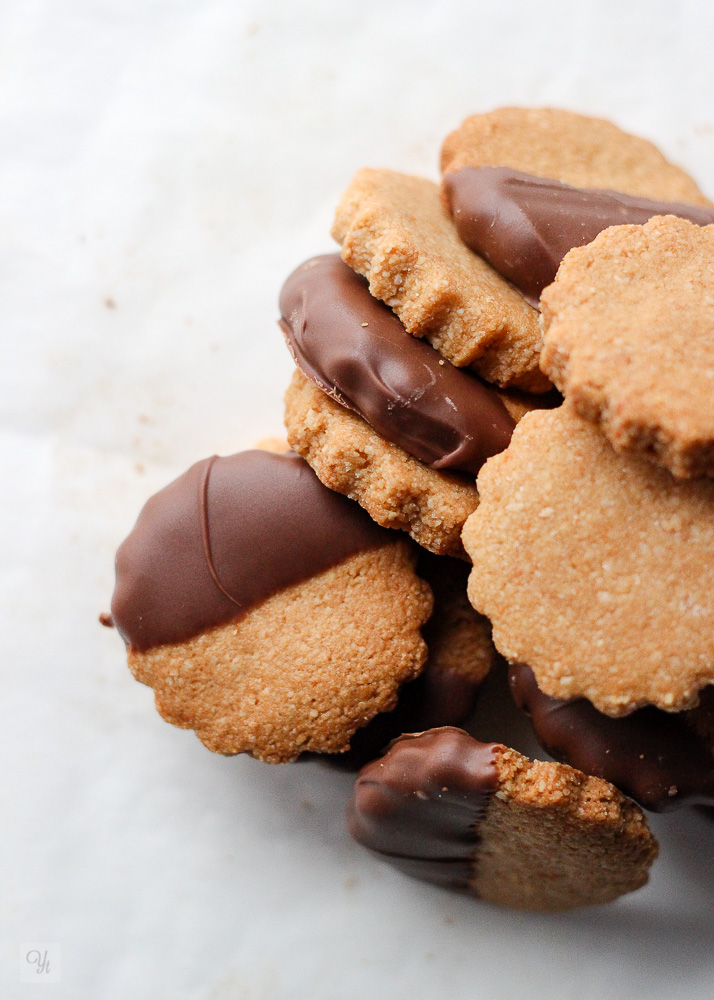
[484,819]
[268,613]
[575,149]
[595,569]
[460,656]
[394,231]
[629,339]
[397,490]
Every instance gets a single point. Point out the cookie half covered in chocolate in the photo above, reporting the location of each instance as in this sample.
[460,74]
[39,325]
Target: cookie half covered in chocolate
[526,185]
[268,613]
[393,424]
[485,820]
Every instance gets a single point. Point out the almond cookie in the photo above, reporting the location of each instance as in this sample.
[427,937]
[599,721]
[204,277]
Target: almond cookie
[483,819]
[629,338]
[575,149]
[394,231]
[269,614]
[461,654]
[595,569]
[663,760]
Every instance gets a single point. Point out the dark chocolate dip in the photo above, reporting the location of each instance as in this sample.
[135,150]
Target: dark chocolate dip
[357,351]
[524,225]
[419,806]
[223,537]
[657,758]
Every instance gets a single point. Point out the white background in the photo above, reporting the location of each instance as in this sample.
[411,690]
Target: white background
[163,165]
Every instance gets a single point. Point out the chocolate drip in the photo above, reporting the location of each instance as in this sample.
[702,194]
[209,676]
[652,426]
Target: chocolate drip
[421,804]
[655,757]
[223,537]
[524,225]
[357,351]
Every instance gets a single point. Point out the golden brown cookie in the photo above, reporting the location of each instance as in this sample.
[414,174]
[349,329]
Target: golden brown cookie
[397,490]
[483,819]
[575,149]
[595,569]
[268,614]
[629,339]
[394,231]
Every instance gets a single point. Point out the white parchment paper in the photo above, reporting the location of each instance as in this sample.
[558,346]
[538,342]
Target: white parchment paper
[163,165]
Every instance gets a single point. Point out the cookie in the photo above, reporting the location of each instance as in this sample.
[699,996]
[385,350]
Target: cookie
[663,760]
[628,339]
[461,654]
[395,489]
[524,225]
[269,614]
[483,819]
[595,569]
[576,149]
[394,231]
[357,351]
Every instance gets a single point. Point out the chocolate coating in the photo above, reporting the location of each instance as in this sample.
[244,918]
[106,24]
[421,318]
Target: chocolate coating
[223,537]
[420,805]
[524,225]
[655,757]
[357,351]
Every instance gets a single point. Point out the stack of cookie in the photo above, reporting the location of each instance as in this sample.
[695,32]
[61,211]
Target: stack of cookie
[268,603]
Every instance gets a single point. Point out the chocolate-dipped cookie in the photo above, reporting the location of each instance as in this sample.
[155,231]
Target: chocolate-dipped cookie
[663,760]
[268,613]
[525,225]
[575,149]
[394,426]
[483,819]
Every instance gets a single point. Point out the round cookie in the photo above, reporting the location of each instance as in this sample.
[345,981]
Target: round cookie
[629,339]
[576,149]
[269,614]
[461,654]
[595,569]
[394,230]
[483,819]
[663,760]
